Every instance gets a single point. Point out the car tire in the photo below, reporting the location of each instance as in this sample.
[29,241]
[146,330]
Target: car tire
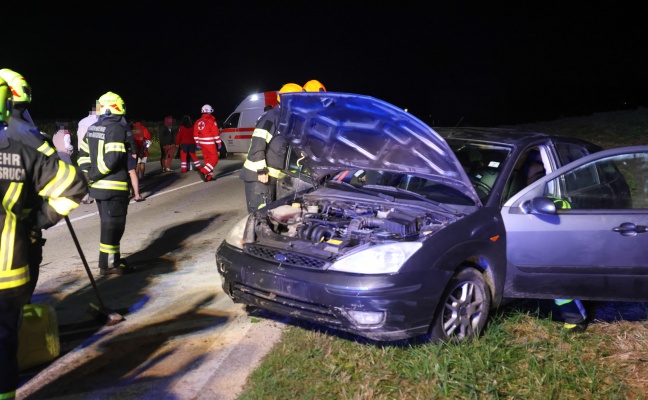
[222,153]
[463,309]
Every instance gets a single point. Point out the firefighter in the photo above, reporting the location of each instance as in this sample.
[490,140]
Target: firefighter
[102,158]
[572,311]
[263,165]
[26,174]
[207,136]
[21,128]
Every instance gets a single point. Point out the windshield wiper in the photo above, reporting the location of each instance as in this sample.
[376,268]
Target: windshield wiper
[418,196]
[361,190]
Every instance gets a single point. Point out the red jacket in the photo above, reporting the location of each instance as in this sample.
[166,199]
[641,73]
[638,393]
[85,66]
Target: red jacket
[206,131]
[185,136]
[141,135]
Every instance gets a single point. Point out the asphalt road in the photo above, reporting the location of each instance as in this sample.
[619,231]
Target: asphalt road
[182,337]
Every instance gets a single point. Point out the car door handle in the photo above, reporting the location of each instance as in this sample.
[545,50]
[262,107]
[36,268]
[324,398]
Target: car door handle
[630,229]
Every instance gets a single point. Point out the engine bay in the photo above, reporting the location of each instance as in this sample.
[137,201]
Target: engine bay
[337,225]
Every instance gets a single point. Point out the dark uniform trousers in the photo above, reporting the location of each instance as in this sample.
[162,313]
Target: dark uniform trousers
[112,213]
[11,308]
[258,193]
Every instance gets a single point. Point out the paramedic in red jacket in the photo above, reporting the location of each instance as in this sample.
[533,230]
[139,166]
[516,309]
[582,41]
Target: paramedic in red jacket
[207,136]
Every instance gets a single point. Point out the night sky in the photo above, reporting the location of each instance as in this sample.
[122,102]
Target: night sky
[448,63]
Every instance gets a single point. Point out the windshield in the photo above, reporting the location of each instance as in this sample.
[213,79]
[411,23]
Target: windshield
[397,185]
[482,163]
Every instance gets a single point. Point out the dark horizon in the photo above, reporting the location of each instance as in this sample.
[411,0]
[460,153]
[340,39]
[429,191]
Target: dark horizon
[445,63]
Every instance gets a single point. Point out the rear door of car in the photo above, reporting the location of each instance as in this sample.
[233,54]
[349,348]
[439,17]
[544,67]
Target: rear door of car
[597,247]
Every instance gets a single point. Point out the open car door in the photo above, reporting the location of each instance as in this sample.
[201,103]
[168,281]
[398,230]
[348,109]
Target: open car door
[582,231]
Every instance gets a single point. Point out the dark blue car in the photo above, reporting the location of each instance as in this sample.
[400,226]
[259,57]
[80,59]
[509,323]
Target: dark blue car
[402,230]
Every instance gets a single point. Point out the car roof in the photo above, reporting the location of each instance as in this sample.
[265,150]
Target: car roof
[506,136]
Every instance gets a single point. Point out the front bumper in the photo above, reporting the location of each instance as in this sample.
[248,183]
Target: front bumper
[407,302]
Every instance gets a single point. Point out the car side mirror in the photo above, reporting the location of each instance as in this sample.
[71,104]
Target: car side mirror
[538,205]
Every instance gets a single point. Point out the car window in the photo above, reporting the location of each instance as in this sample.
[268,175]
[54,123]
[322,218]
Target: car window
[232,121]
[529,167]
[619,182]
[482,163]
[568,152]
[380,181]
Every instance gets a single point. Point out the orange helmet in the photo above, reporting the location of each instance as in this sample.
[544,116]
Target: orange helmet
[314,86]
[289,88]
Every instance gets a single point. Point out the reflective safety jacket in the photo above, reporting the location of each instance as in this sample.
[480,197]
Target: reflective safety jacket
[267,153]
[26,173]
[103,157]
[206,131]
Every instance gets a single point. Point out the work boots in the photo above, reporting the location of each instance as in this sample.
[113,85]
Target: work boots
[121,269]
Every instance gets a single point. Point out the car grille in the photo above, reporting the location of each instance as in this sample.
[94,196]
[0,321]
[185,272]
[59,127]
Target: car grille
[284,305]
[291,258]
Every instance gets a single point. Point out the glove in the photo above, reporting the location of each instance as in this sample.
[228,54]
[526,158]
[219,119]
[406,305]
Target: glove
[147,143]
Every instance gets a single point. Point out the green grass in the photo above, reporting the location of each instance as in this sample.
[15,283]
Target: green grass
[522,354]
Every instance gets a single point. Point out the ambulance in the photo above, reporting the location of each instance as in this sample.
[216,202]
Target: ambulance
[236,131]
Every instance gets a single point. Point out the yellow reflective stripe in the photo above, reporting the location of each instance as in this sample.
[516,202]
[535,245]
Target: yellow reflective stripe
[261,206]
[8,395]
[254,165]
[46,149]
[83,160]
[108,248]
[62,205]
[8,237]
[115,146]
[84,146]
[14,277]
[275,173]
[109,185]
[101,164]
[63,179]
[263,134]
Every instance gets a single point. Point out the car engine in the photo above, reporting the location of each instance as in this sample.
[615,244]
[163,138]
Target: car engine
[334,225]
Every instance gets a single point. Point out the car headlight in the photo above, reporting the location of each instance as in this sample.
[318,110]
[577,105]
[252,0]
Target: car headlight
[235,235]
[381,259]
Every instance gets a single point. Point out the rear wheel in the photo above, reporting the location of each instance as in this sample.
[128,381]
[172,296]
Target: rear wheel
[463,308]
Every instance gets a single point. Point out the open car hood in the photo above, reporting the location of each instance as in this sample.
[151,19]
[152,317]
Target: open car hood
[338,131]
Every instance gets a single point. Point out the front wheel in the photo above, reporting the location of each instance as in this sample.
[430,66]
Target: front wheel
[463,308]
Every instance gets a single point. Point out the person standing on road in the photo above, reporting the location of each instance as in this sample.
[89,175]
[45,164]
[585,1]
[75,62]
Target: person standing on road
[63,141]
[187,144]
[81,132]
[131,160]
[142,144]
[22,129]
[28,175]
[167,143]
[257,173]
[207,136]
[102,159]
